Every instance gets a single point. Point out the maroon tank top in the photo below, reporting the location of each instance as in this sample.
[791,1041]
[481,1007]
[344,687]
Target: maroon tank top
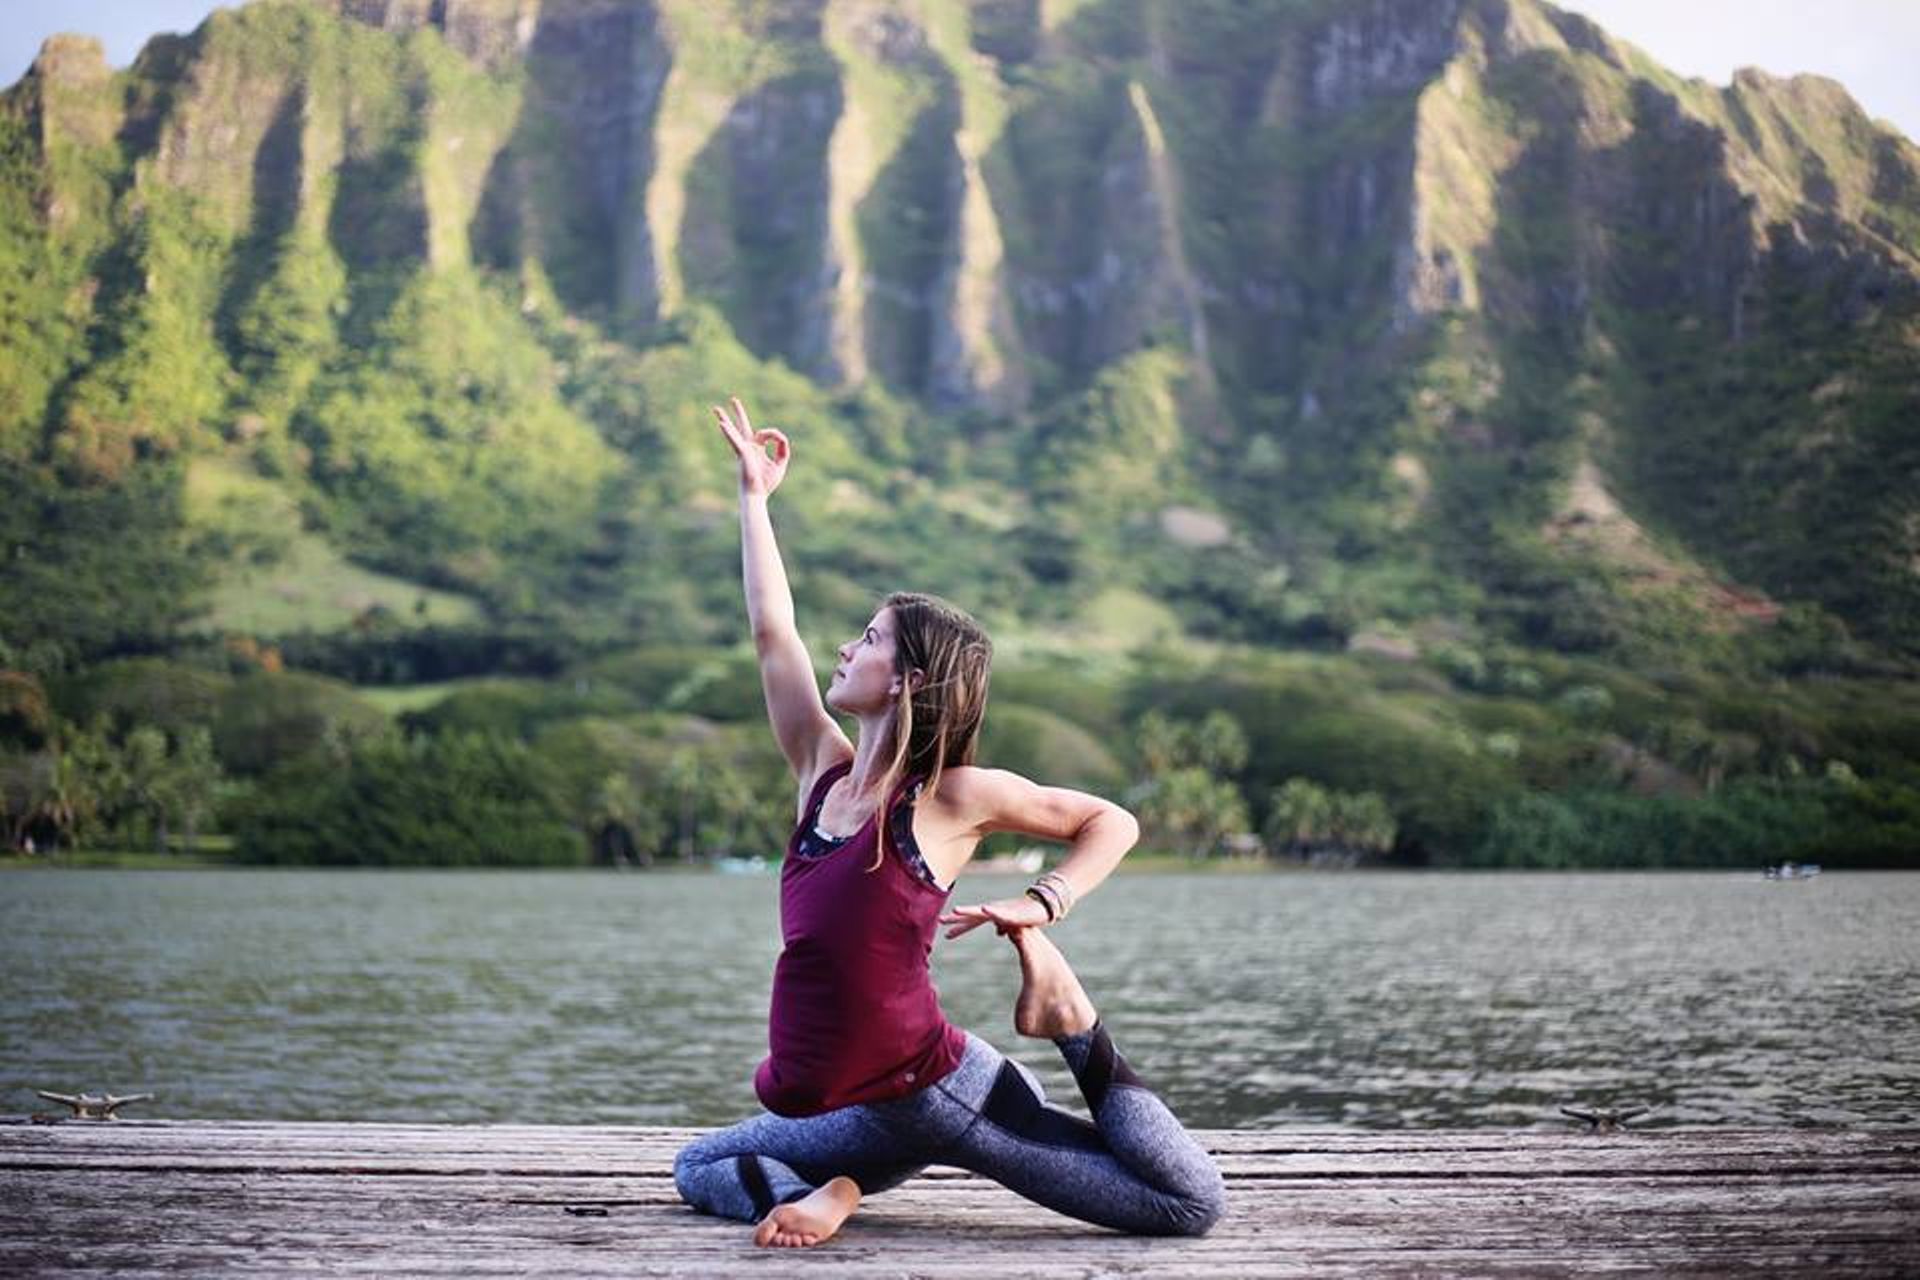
[854,1016]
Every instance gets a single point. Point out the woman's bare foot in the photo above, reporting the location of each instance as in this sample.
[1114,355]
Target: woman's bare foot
[811,1219]
[1052,1002]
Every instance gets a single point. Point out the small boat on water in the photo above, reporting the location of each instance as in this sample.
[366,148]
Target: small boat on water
[1792,871]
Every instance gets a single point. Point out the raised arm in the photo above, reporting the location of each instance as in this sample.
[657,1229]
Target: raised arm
[800,721]
[1098,832]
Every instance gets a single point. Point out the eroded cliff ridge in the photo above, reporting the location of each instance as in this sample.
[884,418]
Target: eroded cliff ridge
[1308,317]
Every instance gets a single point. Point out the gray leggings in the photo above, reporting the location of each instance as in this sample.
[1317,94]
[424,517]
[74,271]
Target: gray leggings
[1133,1169]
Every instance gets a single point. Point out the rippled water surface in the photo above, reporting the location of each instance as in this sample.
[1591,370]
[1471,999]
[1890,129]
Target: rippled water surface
[1370,1000]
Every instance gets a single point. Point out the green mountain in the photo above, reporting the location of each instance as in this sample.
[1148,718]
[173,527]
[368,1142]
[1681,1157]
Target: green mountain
[1432,329]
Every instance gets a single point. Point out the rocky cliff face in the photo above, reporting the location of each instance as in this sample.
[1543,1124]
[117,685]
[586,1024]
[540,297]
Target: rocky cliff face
[1421,260]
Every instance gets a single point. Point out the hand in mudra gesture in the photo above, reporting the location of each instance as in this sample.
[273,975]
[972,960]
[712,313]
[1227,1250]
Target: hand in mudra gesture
[759,474]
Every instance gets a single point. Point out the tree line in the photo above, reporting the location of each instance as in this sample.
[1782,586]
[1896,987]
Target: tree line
[302,782]
[663,756]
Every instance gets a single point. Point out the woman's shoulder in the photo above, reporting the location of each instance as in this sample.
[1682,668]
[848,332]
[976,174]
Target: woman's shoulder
[989,800]
[969,789]
[966,779]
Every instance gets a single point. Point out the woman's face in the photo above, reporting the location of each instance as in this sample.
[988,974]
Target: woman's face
[865,679]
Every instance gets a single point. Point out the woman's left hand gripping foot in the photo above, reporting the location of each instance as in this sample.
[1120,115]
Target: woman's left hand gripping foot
[810,1220]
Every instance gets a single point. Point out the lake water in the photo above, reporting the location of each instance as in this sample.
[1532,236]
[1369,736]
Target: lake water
[1365,1000]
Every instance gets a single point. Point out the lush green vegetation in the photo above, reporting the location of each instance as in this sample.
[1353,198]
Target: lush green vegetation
[92,784]
[373,477]
[455,800]
[663,755]
[1745,823]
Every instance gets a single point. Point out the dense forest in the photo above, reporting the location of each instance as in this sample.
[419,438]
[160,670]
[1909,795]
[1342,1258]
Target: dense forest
[1373,430]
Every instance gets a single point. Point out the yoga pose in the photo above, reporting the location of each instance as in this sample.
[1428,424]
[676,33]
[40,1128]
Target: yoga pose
[867,1082]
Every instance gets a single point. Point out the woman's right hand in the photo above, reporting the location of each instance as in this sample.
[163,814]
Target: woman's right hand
[759,474]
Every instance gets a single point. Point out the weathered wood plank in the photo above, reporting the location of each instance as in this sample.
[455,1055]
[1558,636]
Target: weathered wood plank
[595,1153]
[187,1135]
[176,1133]
[416,1199]
[1331,1229]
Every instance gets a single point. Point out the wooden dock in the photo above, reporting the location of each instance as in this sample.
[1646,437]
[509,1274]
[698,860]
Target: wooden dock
[208,1197]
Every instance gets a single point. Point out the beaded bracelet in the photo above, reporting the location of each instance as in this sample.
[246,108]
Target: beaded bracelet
[1054,892]
[1064,887]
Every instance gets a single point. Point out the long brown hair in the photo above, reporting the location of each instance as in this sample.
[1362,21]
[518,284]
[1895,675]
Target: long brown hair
[937,723]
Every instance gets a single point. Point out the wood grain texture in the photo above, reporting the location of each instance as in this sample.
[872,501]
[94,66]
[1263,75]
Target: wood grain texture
[210,1197]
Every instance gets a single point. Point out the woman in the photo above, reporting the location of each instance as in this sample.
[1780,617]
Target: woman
[866,1081]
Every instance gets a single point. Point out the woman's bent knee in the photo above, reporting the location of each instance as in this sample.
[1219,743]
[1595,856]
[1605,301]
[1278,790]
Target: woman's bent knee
[686,1166]
[1195,1212]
